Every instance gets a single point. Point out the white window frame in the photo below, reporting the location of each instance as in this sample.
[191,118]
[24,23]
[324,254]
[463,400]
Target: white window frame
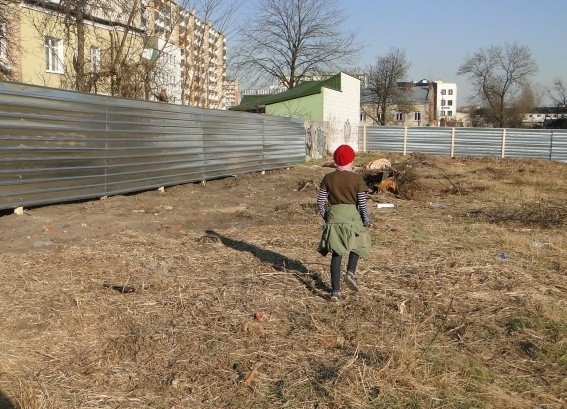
[95,59]
[399,116]
[417,116]
[54,55]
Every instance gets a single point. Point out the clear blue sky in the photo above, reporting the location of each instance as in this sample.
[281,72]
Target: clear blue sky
[437,36]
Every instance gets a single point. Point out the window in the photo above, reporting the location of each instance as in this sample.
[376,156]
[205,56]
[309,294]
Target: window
[399,116]
[95,59]
[450,92]
[442,113]
[3,46]
[449,113]
[443,92]
[53,55]
[450,102]
[417,116]
[443,102]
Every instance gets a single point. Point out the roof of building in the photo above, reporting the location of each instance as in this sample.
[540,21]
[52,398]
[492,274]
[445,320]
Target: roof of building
[548,110]
[253,103]
[417,94]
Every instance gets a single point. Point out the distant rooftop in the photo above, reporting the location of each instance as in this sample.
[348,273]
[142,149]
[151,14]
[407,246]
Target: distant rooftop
[255,103]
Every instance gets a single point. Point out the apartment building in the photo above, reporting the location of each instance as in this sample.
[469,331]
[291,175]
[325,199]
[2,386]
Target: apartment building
[94,49]
[231,93]
[203,66]
[163,51]
[446,101]
[545,117]
[153,50]
[425,103]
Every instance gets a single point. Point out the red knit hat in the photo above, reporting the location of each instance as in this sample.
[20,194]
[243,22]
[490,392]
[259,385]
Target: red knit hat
[343,155]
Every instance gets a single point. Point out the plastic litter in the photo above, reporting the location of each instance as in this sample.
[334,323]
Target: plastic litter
[385,205]
[541,245]
[435,205]
[503,256]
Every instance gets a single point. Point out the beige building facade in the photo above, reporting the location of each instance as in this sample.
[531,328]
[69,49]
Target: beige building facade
[426,103]
[140,50]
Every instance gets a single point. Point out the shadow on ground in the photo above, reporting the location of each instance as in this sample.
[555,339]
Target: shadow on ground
[310,279]
[6,403]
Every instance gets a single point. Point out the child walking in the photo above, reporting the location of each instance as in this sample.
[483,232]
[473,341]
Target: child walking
[342,204]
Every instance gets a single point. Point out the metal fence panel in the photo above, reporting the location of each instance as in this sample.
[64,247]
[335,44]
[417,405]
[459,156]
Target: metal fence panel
[151,145]
[232,148]
[384,138]
[527,143]
[282,141]
[478,142]
[50,146]
[419,139]
[57,146]
[559,145]
[509,143]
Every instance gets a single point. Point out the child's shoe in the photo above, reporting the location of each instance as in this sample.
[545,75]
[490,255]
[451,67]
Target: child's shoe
[351,280]
[336,296]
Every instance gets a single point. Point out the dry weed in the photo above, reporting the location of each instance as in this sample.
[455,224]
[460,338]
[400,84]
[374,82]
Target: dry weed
[462,302]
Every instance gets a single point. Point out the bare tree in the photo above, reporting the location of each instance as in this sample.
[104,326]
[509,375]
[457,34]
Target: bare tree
[383,86]
[287,39]
[498,75]
[110,27]
[9,47]
[140,46]
[529,97]
[129,64]
[558,94]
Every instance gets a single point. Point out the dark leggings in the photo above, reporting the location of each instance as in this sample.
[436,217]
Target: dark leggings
[336,268]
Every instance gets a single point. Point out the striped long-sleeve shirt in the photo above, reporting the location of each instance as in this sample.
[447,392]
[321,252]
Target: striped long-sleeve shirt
[343,187]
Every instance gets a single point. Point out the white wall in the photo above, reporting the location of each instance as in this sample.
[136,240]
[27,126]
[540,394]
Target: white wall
[450,89]
[341,110]
[169,74]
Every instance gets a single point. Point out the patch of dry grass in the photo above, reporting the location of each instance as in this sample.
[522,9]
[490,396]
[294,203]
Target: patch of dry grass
[462,302]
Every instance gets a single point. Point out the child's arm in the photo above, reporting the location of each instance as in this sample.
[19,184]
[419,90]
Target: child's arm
[363,209]
[321,201]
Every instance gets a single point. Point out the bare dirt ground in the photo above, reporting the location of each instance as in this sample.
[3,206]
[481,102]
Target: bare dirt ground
[213,295]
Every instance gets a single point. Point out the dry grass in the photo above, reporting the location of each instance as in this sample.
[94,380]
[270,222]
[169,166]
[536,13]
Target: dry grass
[462,302]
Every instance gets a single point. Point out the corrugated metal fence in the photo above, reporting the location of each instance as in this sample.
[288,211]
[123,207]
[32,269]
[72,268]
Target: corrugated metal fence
[58,146]
[549,144]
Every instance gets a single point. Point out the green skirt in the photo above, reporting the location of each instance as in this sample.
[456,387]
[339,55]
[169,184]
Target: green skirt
[344,232]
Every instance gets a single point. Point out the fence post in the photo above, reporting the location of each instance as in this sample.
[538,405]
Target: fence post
[452,142]
[503,143]
[405,139]
[364,138]
[551,146]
